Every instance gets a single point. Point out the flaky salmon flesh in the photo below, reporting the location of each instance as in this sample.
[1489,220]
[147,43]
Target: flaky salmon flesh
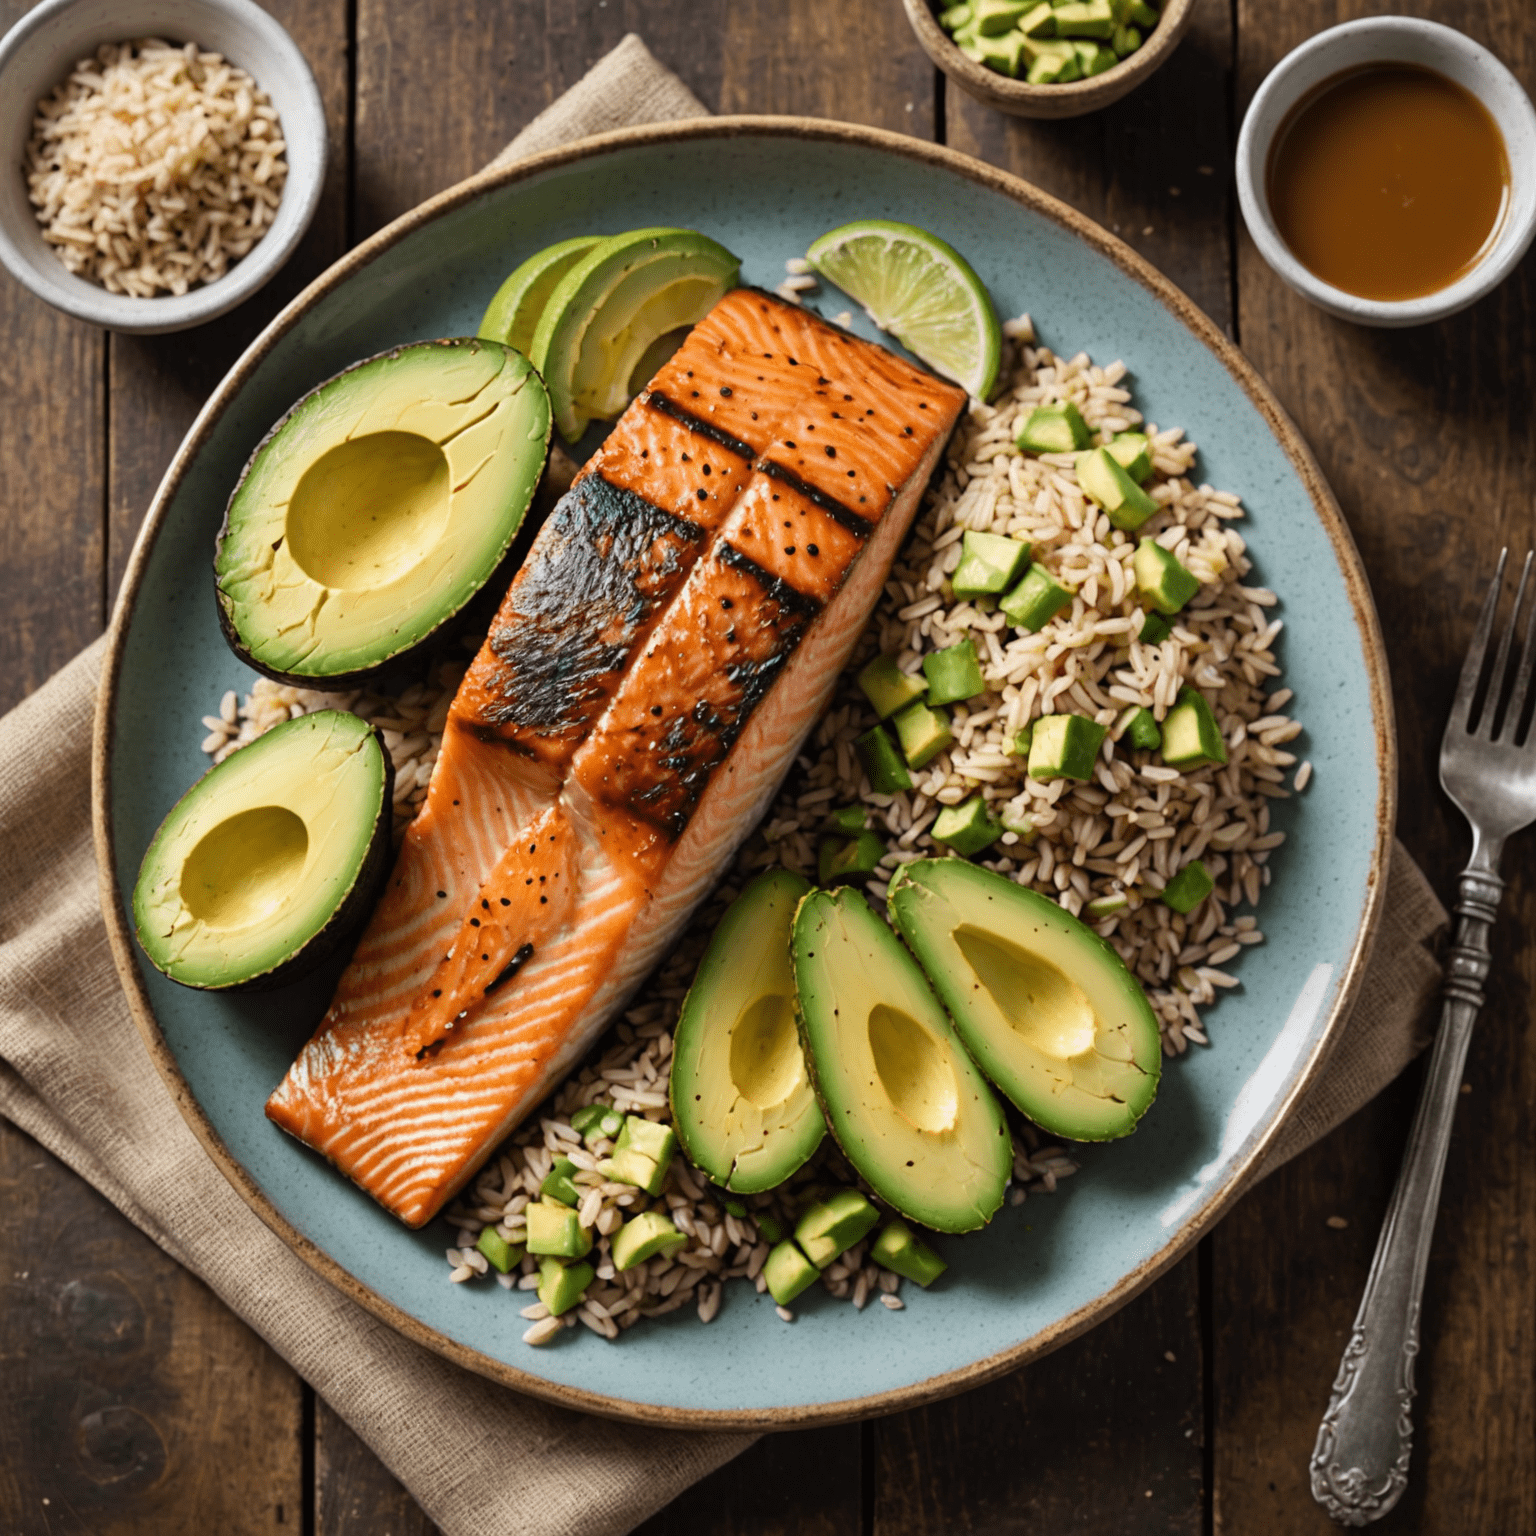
[676,630]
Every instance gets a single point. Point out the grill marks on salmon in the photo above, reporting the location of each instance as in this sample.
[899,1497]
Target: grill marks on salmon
[674,633]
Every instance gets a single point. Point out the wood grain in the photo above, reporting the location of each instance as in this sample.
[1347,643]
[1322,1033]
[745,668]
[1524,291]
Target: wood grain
[1426,436]
[355,1494]
[134,1401]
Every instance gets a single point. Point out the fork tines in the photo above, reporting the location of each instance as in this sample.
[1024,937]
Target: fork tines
[1500,707]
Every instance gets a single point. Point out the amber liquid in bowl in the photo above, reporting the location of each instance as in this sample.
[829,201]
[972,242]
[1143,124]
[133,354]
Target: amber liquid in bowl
[1388,181]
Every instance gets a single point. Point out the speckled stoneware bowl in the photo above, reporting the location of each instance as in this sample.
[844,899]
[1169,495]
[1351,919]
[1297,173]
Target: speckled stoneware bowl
[1040,1273]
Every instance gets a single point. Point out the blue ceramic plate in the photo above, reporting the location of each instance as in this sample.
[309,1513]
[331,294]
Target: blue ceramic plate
[766,188]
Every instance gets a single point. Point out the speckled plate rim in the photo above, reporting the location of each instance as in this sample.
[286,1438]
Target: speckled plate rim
[1357,589]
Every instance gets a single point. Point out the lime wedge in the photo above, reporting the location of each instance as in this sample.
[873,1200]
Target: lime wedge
[920,290]
[513,314]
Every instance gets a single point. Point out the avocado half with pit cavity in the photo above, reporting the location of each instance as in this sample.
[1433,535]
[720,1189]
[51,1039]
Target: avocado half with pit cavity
[378,507]
[902,1099]
[597,341]
[272,859]
[742,1101]
[1042,1002]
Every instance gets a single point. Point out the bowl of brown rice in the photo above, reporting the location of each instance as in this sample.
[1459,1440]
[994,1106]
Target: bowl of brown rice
[164,157]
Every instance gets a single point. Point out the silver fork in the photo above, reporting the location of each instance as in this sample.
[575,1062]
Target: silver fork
[1360,1463]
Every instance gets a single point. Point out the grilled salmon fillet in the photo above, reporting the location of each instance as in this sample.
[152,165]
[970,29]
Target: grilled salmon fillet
[675,631]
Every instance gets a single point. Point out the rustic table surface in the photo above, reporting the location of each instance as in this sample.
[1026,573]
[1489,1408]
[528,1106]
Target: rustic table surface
[134,1402]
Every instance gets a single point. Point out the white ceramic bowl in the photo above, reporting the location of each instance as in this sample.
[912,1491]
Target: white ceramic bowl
[1401,40]
[40,51]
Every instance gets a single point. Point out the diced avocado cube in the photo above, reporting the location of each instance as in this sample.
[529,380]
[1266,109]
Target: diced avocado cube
[1106,906]
[1154,629]
[887,773]
[734,1208]
[1019,747]
[501,1254]
[1065,747]
[587,1117]
[953,673]
[1035,601]
[849,858]
[644,1142]
[989,564]
[1191,736]
[1094,58]
[1102,477]
[1142,15]
[768,1227]
[887,687]
[924,734]
[1138,726]
[611,1123]
[1039,21]
[1004,54]
[1132,451]
[1055,429]
[995,17]
[1188,888]
[1166,584]
[1125,42]
[554,1229]
[561,1286]
[1053,64]
[834,1225]
[900,1250]
[788,1272]
[848,820]
[644,1236]
[1085,18]
[955,16]
[965,38]
[967,828]
[559,1185]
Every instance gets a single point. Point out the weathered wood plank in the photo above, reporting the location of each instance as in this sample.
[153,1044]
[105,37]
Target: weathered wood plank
[134,1401]
[159,383]
[1154,168]
[1426,437]
[1104,1436]
[355,1495]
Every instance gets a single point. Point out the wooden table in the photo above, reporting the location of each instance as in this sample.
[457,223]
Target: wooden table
[131,1401]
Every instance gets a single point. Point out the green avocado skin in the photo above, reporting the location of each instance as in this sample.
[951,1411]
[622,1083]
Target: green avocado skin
[347,915]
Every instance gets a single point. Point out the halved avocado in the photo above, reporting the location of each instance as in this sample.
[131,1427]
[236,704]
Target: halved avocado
[272,859]
[512,316]
[378,507]
[902,1099]
[611,309]
[742,1101]
[1042,1002]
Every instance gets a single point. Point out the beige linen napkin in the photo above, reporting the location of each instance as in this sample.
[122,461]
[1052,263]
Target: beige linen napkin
[481,1460]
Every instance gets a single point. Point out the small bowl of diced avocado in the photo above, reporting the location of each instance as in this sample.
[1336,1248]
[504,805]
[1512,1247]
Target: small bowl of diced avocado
[1048,58]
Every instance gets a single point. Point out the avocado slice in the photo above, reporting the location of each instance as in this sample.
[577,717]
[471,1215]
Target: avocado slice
[1137,726]
[953,674]
[887,687]
[902,1099]
[1191,735]
[847,820]
[1039,21]
[644,1236]
[1035,601]
[742,1102]
[554,1229]
[610,309]
[1052,63]
[559,1183]
[1041,1001]
[830,1227]
[641,1155]
[1065,747]
[849,858]
[967,828]
[561,1286]
[499,1253]
[377,508]
[1132,451]
[271,860]
[513,314]
[1085,18]
[995,17]
[1104,478]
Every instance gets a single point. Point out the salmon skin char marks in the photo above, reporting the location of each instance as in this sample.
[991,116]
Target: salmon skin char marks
[432,1051]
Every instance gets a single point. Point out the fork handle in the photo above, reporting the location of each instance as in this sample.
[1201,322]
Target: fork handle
[1360,1463]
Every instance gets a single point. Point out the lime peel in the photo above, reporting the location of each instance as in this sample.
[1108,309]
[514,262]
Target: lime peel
[920,290]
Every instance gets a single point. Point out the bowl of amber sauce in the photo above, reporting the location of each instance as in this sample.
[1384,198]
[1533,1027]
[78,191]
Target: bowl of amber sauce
[1386,170]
